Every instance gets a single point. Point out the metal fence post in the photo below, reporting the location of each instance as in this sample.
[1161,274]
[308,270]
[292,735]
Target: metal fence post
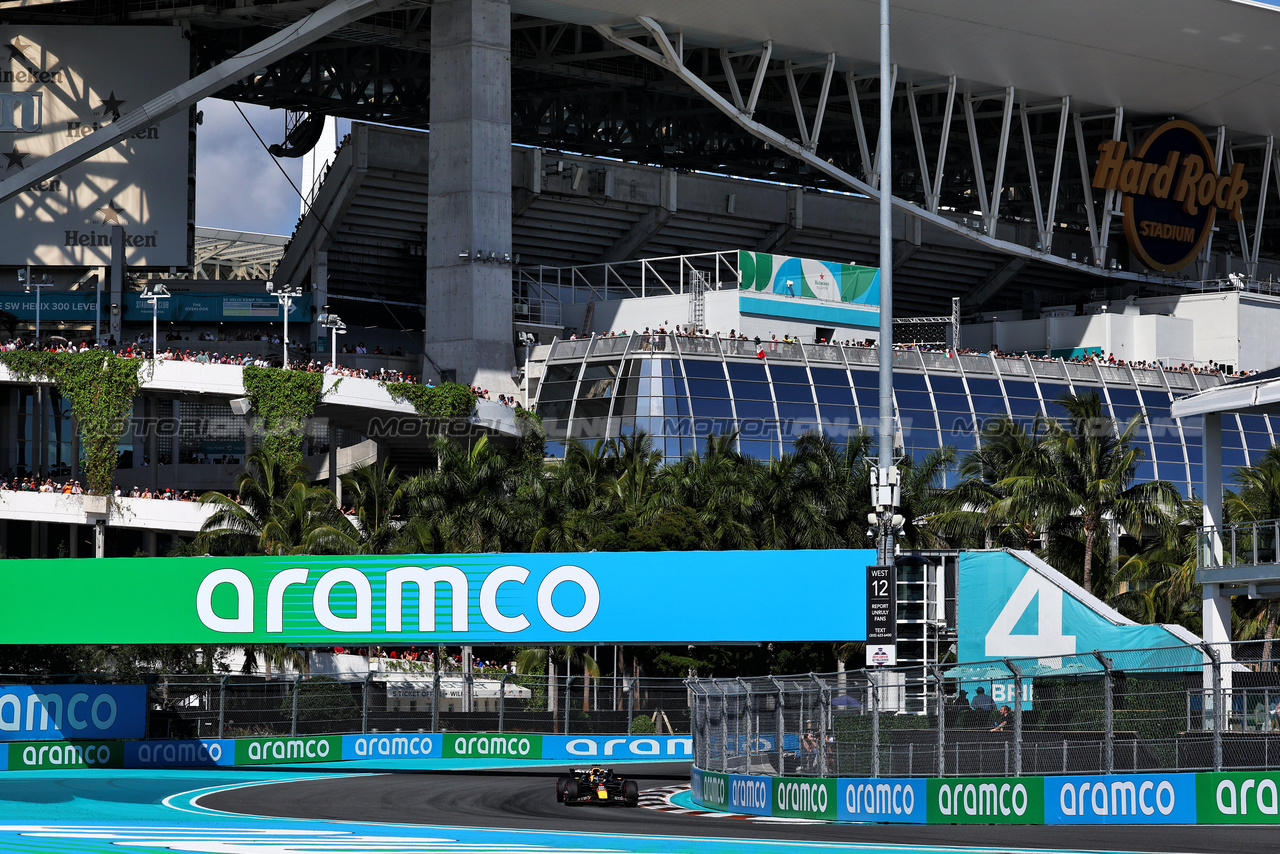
[780,726]
[222,705]
[293,726]
[568,689]
[941,704]
[750,707]
[630,688]
[435,702]
[364,704]
[1215,663]
[502,701]
[1109,711]
[824,720]
[1017,716]
[873,695]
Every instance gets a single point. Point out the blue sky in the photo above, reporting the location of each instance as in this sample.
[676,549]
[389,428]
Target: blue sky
[238,185]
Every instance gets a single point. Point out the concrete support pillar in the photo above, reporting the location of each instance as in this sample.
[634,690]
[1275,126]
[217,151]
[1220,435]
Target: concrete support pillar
[117,283]
[1212,498]
[468,330]
[320,295]
[100,538]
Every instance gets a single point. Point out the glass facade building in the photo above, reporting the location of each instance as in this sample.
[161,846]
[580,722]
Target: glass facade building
[680,390]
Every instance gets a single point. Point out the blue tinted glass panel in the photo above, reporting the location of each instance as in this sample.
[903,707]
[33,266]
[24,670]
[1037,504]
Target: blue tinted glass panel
[1055,410]
[1051,392]
[759,450]
[1230,432]
[751,391]
[946,385]
[1233,457]
[1155,399]
[1254,423]
[908,382]
[793,411]
[1020,388]
[680,407]
[951,402]
[703,426]
[1123,396]
[832,394]
[708,388]
[793,393]
[793,374]
[830,376]
[754,409]
[914,400]
[988,387]
[838,415]
[713,406]
[956,423]
[1145,471]
[1123,414]
[868,398]
[795,429]
[753,371]
[699,368]
[1024,406]
[917,420]
[988,406]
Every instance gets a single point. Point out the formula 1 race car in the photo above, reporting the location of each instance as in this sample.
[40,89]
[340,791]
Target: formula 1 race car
[596,786]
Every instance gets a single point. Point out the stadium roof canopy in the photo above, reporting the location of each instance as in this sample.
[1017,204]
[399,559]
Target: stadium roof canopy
[1216,62]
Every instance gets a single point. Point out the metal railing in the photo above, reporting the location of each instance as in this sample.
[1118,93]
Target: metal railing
[228,706]
[1243,544]
[1190,708]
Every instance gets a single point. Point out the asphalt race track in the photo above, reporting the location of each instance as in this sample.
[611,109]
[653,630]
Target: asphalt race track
[525,799]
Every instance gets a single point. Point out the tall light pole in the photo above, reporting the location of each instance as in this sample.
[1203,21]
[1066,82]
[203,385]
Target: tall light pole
[285,296]
[153,294]
[28,283]
[886,483]
[336,327]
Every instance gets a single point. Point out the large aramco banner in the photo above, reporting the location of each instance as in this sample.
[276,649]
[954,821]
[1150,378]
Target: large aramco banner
[508,599]
[829,281]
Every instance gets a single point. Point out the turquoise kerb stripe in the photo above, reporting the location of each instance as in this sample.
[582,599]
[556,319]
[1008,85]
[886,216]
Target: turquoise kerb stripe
[814,312]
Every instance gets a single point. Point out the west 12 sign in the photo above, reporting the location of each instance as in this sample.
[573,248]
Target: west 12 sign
[882,616]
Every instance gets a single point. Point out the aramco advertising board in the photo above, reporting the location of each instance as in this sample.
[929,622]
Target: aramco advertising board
[59,84]
[508,599]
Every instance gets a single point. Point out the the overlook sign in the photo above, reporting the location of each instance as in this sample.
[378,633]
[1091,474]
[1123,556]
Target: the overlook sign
[1171,192]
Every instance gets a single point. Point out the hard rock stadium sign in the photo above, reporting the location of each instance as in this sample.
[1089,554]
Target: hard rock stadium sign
[1171,192]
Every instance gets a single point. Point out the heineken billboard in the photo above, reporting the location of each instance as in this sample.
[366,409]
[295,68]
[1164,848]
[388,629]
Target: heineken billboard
[507,599]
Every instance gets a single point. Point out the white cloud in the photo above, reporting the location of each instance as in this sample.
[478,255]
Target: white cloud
[237,183]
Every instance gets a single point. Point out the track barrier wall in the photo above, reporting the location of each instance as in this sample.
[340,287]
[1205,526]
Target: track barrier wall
[1177,798]
[376,747]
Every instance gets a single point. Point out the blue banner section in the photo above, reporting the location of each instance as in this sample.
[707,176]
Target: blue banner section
[416,745]
[1009,608]
[601,748]
[188,753]
[57,712]
[750,794]
[1130,799]
[185,308]
[900,801]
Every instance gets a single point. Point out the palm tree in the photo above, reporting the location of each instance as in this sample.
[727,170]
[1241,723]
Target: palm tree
[633,488]
[536,658]
[1089,481]
[1161,578]
[277,512]
[1258,500]
[378,498]
[568,503]
[980,510]
[720,486]
[812,498]
[468,503]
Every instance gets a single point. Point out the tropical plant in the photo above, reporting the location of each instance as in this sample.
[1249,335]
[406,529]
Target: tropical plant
[276,511]
[468,503]
[1088,482]
[1257,499]
[378,500]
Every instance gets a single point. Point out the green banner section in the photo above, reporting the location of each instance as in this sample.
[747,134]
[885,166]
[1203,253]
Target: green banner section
[273,751]
[492,746]
[987,800]
[715,790]
[60,755]
[1238,798]
[829,281]
[804,797]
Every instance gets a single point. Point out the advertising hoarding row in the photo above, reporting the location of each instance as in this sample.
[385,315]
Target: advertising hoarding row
[1173,798]
[377,747]
[509,599]
[55,712]
[59,84]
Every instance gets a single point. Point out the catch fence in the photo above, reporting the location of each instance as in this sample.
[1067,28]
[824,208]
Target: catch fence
[227,706]
[1189,708]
